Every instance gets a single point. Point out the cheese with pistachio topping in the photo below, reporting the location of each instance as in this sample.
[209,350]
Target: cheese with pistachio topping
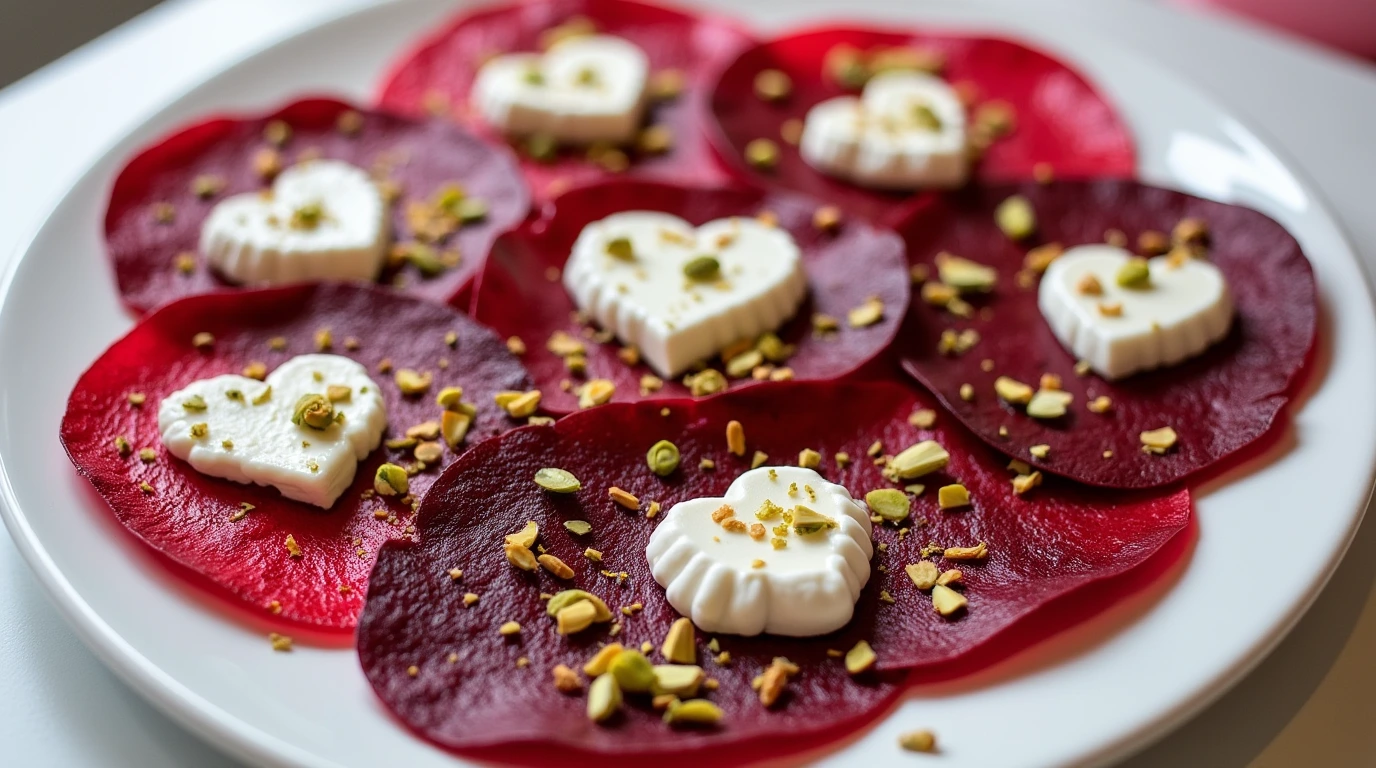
[582,90]
[322,220]
[681,294]
[303,430]
[1123,314]
[906,131]
[784,552]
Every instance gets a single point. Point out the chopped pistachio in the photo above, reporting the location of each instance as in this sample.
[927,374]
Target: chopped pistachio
[921,459]
[762,154]
[602,660]
[947,578]
[1049,404]
[706,382]
[633,672]
[1013,391]
[663,458]
[702,268]
[679,645]
[889,503]
[604,698]
[1016,218]
[947,601]
[860,658]
[314,411]
[1100,404]
[773,85]
[1111,309]
[557,480]
[964,275]
[391,480]
[525,537]
[809,459]
[412,382]
[1040,451]
[967,392]
[977,552]
[952,496]
[918,741]
[578,527]
[758,459]
[194,403]
[807,521]
[675,679]
[744,364]
[867,314]
[147,455]
[923,573]
[595,392]
[693,712]
[623,498]
[735,438]
[557,568]
[1135,274]
[1158,440]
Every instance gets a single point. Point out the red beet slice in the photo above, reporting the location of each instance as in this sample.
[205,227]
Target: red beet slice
[186,518]
[516,296]
[1061,119]
[435,77]
[423,157]
[1219,402]
[1047,544]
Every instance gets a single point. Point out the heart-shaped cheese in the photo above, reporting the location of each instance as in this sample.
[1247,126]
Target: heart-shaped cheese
[323,220]
[784,552]
[242,429]
[1182,308]
[630,272]
[582,90]
[906,131]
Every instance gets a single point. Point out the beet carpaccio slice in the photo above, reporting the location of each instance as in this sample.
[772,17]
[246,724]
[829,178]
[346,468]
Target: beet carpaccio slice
[1048,543]
[435,78]
[1060,119]
[1219,402]
[187,515]
[520,292]
[157,205]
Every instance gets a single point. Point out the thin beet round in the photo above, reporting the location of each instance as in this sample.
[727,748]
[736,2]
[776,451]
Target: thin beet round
[1051,543]
[436,76]
[1061,120]
[519,293]
[186,517]
[420,158]
[1219,403]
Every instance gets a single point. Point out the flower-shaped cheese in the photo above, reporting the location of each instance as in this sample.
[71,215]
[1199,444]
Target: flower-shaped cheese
[269,433]
[323,220]
[784,552]
[582,90]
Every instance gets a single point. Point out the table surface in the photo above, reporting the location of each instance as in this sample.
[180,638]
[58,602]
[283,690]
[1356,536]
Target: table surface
[1309,703]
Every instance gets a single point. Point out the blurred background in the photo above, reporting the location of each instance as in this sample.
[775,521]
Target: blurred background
[35,32]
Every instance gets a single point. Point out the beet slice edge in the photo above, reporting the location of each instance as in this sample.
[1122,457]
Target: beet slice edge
[1061,119]
[520,294]
[186,518]
[144,251]
[1058,539]
[434,78]
[1220,402]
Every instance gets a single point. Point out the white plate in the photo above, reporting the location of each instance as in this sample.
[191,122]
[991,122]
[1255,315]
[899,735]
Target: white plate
[1269,536]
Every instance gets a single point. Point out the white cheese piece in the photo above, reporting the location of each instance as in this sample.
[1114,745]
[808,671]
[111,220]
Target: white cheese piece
[731,582]
[261,239]
[582,90]
[258,443]
[906,131]
[649,302]
[1120,331]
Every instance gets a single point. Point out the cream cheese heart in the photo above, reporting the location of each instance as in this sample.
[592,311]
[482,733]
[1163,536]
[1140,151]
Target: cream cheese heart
[629,273]
[322,220]
[580,91]
[906,131]
[1182,309]
[242,429]
[779,578]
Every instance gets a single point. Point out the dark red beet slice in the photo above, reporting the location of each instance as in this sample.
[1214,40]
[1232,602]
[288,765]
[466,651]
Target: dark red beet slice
[186,518]
[1219,403]
[423,157]
[435,77]
[1061,120]
[1047,544]
[516,297]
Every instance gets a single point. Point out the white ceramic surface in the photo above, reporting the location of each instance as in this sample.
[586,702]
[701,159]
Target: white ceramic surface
[1111,686]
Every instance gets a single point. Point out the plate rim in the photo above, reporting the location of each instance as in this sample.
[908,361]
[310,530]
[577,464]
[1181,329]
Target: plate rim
[236,738]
